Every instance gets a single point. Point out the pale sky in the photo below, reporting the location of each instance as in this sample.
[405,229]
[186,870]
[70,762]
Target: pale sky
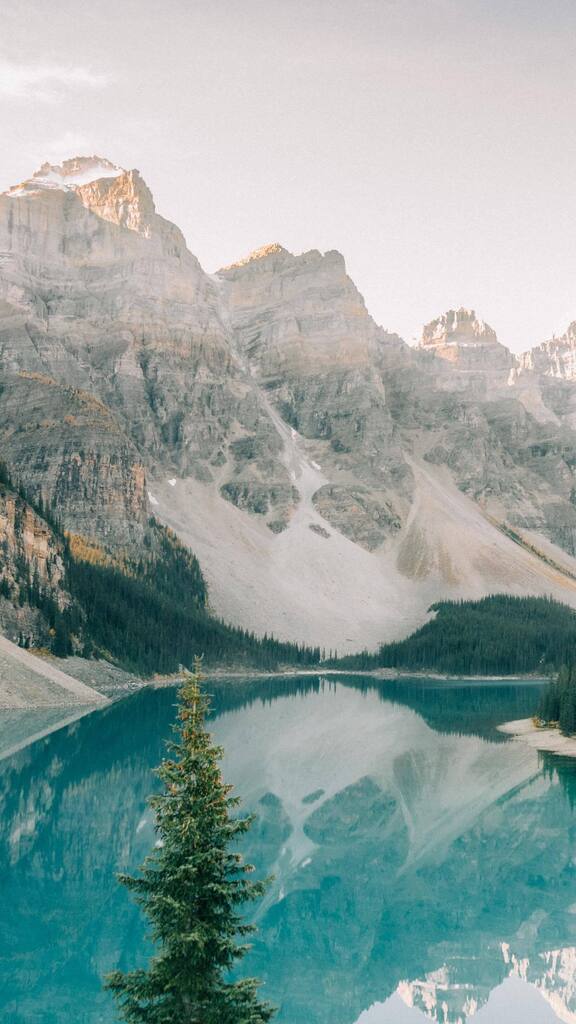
[433,142]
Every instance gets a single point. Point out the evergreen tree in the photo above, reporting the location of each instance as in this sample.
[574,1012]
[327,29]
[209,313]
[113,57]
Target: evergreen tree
[558,701]
[191,888]
[61,645]
[549,706]
[567,715]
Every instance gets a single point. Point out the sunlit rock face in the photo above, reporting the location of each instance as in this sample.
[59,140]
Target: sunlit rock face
[105,279]
[500,430]
[116,195]
[79,170]
[300,313]
[31,554]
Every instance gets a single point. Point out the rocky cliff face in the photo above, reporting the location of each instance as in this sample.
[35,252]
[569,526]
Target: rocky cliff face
[301,327]
[31,558]
[460,337]
[466,355]
[553,358]
[266,400]
[68,451]
[100,293]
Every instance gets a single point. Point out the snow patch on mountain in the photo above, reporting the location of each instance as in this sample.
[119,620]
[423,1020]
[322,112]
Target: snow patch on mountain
[70,174]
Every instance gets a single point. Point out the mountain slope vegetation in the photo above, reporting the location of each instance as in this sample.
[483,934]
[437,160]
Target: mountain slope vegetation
[149,613]
[497,635]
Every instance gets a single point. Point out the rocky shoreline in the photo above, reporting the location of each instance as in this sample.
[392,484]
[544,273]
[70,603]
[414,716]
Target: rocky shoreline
[29,681]
[541,738]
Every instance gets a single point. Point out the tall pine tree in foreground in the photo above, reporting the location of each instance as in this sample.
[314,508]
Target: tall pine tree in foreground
[191,888]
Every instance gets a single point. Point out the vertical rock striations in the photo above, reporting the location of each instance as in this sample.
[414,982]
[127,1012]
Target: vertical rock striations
[302,328]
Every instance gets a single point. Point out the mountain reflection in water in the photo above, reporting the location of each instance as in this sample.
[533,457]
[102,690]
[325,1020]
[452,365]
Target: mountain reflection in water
[420,858]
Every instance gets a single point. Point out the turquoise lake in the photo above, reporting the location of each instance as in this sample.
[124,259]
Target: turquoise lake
[425,865]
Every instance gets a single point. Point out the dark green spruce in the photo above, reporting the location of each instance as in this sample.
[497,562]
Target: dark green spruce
[558,701]
[192,889]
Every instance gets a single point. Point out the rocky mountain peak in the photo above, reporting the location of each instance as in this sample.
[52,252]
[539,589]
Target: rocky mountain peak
[458,327]
[105,189]
[123,199]
[569,334]
[553,358]
[565,340]
[263,253]
[461,338]
[70,174]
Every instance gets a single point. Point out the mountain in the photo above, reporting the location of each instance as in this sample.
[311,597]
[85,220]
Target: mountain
[332,480]
[469,344]
[303,333]
[554,358]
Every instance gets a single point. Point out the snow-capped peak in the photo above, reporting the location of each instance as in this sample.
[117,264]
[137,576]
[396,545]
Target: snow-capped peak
[80,170]
[70,174]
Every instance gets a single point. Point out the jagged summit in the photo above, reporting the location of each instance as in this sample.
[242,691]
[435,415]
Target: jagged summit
[70,174]
[569,334]
[281,258]
[458,327]
[272,249]
[566,337]
[107,191]
[461,338]
[79,170]
[555,357]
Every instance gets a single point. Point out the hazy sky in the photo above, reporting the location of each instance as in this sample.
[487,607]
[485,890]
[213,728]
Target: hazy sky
[432,141]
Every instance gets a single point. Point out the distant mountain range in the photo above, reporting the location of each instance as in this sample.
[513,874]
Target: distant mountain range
[332,480]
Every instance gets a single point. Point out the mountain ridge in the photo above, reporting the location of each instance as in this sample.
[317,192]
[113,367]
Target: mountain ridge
[344,470]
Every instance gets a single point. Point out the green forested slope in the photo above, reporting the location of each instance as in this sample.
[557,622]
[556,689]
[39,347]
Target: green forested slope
[152,616]
[149,613]
[498,635]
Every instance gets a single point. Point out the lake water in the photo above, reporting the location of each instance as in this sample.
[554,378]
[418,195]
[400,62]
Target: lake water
[425,865]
